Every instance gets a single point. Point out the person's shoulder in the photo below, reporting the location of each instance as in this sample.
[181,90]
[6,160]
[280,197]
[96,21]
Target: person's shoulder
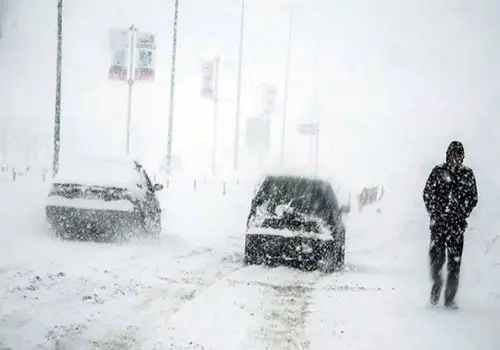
[439,167]
[467,171]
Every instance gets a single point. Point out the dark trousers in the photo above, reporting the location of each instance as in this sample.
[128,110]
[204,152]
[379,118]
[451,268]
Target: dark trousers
[447,241]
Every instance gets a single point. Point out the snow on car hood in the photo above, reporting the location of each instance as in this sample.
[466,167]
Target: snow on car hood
[255,225]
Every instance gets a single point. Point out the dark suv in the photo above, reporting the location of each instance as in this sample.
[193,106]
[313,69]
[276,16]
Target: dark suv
[103,199]
[296,221]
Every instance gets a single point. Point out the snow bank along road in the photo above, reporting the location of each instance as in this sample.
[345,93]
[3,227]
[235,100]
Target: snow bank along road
[190,290]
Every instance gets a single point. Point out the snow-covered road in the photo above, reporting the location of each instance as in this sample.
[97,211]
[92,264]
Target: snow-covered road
[192,291]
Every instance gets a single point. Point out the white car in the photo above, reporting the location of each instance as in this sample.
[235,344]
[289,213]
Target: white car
[94,199]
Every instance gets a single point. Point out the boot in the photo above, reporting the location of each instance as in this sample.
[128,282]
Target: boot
[435,293]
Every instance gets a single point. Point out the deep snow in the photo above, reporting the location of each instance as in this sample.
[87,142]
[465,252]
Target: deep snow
[190,290]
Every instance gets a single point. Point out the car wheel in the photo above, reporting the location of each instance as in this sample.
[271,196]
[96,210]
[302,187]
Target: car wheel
[249,258]
[156,232]
[326,264]
[254,253]
[57,232]
[152,226]
[251,252]
[327,258]
[340,258]
[64,235]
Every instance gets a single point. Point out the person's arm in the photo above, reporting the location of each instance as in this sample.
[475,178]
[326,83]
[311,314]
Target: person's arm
[429,192]
[472,196]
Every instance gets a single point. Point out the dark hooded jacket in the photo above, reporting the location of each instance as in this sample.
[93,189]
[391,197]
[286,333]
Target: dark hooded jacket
[450,194]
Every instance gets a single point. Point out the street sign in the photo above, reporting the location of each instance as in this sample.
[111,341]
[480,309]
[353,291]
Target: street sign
[269,94]
[120,44]
[145,56]
[208,79]
[143,66]
[310,129]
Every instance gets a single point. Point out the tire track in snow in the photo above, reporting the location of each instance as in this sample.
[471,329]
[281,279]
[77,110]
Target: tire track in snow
[160,305]
[252,308]
[283,320]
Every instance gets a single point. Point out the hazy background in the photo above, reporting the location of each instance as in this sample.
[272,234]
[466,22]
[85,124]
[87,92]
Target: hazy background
[396,81]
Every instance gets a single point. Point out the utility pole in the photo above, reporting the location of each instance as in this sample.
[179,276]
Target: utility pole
[172,89]
[5,144]
[130,79]
[285,98]
[238,89]
[313,142]
[57,114]
[216,110]
[316,158]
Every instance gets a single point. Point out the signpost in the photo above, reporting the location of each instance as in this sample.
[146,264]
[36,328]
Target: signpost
[285,99]
[130,80]
[133,59]
[269,93]
[238,89]
[311,129]
[308,129]
[210,90]
[57,113]
[172,88]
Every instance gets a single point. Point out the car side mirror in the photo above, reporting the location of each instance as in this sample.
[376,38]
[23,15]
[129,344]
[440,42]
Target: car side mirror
[157,187]
[345,209]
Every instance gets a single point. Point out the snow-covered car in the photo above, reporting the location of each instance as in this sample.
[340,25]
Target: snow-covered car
[108,198]
[296,221]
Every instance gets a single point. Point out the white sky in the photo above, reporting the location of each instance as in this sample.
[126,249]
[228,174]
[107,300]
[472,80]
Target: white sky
[396,80]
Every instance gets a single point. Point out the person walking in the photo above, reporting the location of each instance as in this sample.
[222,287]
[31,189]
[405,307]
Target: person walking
[450,195]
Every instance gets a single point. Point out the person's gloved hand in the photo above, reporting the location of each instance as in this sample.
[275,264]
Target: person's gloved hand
[462,223]
[432,218]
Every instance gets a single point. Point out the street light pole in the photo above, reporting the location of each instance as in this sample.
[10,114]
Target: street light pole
[57,114]
[314,115]
[216,110]
[131,78]
[238,89]
[285,98]
[316,151]
[172,89]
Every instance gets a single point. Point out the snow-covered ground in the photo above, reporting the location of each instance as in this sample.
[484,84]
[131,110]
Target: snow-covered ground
[191,290]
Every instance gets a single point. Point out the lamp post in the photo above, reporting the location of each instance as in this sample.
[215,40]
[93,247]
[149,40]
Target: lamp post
[57,113]
[238,89]
[130,81]
[285,98]
[172,89]
[216,63]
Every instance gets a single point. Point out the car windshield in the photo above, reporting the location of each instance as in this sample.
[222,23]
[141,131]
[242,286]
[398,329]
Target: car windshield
[303,196]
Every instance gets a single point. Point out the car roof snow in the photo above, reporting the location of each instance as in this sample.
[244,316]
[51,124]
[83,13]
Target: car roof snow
[105,172]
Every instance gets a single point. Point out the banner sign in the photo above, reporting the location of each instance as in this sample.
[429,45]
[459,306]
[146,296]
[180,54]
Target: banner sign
[208,79]
[119,54]
[145,53]
[143,66]
[269,94]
